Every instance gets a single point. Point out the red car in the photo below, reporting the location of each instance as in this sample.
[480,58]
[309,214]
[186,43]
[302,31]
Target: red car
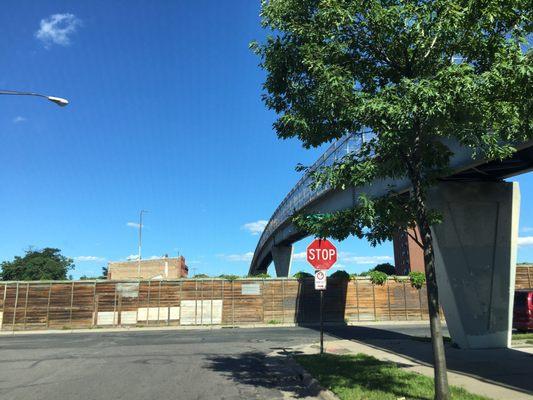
[523,310]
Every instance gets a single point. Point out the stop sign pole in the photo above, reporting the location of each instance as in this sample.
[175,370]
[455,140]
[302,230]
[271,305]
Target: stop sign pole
[321,254]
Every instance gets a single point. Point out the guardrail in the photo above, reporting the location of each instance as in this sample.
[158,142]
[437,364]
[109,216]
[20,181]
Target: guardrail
[302,194]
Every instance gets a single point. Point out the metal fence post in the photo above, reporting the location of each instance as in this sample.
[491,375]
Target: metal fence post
[232,304]
[71,305]
[357,299]
[181,302]
[388,300]
[283,301]
[138,302]
[201,302]
[93,323]
[212,297]
[48,306]
[374,301]
[26,303]
[405,300]
[148,305]
[271,284]
[196,301]
[158,302]
[420,303]
[115,305]
[222,298]
[263,301]
[15,310]
[3,307]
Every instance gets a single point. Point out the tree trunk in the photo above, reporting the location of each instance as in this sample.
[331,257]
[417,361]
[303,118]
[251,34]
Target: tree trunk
[442,391]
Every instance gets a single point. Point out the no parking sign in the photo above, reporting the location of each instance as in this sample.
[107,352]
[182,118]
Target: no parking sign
[320,280]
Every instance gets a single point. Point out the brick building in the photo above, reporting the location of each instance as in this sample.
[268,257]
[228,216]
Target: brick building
[408,252]
[159,268]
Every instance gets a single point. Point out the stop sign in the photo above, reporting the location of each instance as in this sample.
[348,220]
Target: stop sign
[321,254]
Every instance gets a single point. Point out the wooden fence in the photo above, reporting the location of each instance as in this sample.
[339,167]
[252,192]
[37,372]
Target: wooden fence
[86,304]
[524,277]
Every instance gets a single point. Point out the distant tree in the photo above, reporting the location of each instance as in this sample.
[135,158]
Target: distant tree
[386,268]
[229,277]
[200,276]
[302,274]
[35,265]
[340,274]
[104,272]
[262,275]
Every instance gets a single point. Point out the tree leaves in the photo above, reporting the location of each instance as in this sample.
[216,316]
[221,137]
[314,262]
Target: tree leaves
[416,74]
[45,264]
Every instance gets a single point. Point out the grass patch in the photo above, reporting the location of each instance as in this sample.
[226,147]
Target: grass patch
[522,336]
[363,377]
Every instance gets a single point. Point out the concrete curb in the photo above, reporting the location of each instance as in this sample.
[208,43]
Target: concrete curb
[307,379]
[193,327]
[311,383]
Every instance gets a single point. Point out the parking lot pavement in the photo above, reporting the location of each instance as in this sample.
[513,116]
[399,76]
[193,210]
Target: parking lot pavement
[186,364]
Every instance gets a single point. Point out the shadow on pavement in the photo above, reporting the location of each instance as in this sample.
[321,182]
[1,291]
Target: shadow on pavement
[261,372]
[505,367]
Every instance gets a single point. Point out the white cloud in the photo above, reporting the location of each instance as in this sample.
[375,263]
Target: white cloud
[133,225]
[527,229]
[132,257]
[348,258]
[255,228]
[18,119]
[246,257]
[57,29]
[525,241]
[88,258]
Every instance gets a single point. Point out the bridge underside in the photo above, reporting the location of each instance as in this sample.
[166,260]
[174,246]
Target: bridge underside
[475,245]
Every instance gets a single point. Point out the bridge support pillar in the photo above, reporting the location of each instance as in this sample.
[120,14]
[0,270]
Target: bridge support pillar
[475,254]
[282,257]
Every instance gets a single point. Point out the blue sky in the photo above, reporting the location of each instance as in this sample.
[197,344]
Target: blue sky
[166,116]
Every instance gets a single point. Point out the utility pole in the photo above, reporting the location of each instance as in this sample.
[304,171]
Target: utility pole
[140,243]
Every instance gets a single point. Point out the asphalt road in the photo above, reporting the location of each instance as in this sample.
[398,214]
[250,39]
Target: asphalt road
[170,364]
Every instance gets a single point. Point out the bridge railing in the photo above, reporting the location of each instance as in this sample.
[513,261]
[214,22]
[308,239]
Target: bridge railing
[302,194]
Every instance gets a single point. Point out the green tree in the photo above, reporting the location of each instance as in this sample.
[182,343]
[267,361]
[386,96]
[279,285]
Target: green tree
[340,274]
[302,275]
[45,264]
[414,74]
[386,268]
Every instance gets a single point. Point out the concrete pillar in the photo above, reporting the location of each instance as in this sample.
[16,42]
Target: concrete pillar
[475,250]
[282,257]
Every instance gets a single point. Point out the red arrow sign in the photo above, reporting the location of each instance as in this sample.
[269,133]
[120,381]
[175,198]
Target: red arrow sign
[321,254]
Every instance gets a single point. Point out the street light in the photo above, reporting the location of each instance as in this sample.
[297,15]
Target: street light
[140,242]
[57,100]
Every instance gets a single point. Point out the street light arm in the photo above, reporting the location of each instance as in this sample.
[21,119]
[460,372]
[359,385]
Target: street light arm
[57,100]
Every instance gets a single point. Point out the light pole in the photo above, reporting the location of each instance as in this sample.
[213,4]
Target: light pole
[57,100]
[140,242]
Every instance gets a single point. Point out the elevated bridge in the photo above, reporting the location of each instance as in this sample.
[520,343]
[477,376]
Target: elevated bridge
[477,238]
